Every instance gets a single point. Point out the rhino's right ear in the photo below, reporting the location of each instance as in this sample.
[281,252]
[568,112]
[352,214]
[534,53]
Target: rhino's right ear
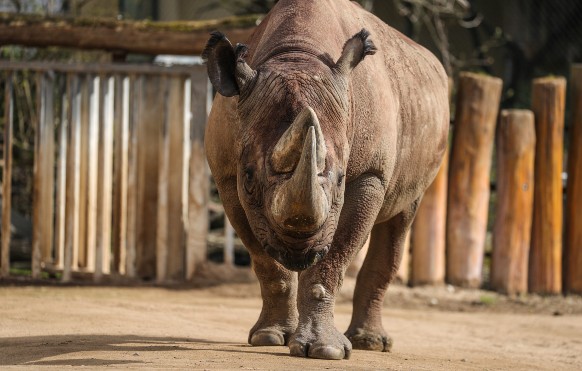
[355,49]
[227,69]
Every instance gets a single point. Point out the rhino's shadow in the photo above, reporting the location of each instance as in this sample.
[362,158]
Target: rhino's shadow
[34,350]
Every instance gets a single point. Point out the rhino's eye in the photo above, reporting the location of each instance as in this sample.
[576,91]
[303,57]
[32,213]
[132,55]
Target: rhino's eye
[249,177]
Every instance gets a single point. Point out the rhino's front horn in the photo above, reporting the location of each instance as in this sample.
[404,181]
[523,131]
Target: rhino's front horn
[300,204]
[288,149]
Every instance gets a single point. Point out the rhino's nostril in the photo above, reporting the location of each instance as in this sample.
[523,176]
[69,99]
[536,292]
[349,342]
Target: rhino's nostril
[301,223]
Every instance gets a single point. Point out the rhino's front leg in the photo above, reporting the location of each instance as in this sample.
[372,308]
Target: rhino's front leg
[278,318]
[316,335]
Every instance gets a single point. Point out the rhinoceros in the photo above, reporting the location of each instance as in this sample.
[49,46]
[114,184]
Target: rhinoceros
[313,147]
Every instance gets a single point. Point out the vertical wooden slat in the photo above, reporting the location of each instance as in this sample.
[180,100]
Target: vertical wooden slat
[164,164]
[151,115]
[470,165]
[513,214]
[72,214]
[7,177]
[42,244]
[131,103]
[121,148]
[545,259]
[176,173]
[428,234]
[403,274]
[60,206]
[228,253]
[84,115]
[104,178]
[199,177]
[573,247]
[92,171]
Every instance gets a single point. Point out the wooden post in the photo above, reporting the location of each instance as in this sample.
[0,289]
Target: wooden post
[61,186]
[470,165]
[573,248]
[42,240]
[92,151]
[228,254]
[104,178]
[150,116]
[428,237]
[199,177]
[170,238]
[545,258]
[428,232]
[403,274]
[132,100]
[7,177]
[513,216]
[121,151]
[72,214]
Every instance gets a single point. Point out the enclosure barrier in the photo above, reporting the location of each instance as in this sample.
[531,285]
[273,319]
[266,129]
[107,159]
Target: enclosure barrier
[545,260]
[573,250]
[121,183]
[470,166]
[120,178]
[516,140]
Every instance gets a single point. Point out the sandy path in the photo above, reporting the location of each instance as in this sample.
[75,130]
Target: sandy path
[205,329]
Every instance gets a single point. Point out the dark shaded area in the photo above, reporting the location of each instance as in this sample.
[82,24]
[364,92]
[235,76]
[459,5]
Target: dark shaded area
[12,351]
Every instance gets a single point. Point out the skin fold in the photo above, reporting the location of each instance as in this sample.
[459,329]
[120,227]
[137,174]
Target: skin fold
[328,126]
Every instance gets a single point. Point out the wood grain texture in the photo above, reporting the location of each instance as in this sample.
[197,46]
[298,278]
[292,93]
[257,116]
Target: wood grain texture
[7,177]
[145,37]
[545,258]
[470,165]
[199,187]
[573,247]
[513,214]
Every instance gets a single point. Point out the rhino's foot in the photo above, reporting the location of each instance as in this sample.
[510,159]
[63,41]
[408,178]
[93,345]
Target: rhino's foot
[370,340]
[270,336]
[325,344]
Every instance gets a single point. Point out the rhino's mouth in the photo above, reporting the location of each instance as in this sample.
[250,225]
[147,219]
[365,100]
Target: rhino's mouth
[296,261]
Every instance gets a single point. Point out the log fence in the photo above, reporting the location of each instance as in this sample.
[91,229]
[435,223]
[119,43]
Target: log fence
[121,184]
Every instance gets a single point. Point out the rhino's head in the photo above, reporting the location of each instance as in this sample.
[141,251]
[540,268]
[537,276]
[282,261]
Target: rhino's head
[294,112]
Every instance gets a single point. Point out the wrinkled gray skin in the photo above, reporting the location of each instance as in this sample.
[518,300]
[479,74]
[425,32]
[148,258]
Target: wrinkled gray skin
[313,148]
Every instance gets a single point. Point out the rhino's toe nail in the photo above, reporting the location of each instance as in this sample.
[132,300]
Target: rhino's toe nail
[348,352]
[298,350]
[388,342]
[266,338]
[327,352]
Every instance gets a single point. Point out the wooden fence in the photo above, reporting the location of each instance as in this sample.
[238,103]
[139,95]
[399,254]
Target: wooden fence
[120,178]
[530,251]
[121,183]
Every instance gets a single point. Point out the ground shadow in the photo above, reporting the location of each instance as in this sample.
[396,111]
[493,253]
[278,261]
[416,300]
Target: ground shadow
[34,350]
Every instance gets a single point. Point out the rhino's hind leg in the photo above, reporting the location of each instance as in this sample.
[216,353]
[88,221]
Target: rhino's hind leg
[380,266]
[278,318]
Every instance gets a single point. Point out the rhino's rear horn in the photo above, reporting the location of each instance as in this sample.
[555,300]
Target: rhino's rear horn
[287,151]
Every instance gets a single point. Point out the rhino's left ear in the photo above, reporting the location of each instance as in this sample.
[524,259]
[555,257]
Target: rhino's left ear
[227,69]
[355,49]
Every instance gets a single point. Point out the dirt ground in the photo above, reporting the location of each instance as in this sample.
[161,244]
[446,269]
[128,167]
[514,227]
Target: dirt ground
[206,327]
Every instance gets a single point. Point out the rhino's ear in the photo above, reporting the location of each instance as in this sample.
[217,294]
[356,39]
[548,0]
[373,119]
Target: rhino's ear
[227,69]
[355,49]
